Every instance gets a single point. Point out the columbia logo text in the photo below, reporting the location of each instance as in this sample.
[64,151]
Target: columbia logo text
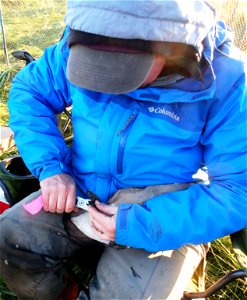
[162,110]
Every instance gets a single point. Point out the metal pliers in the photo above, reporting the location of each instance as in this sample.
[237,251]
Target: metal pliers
[84,202]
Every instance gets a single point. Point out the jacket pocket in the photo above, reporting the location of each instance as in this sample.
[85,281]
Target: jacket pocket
[124,133]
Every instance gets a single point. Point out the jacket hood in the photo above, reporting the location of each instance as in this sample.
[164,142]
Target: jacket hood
[220,37]
[172,21]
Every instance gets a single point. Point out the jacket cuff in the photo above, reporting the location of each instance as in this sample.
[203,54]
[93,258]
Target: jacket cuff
[122,224]
[50,170]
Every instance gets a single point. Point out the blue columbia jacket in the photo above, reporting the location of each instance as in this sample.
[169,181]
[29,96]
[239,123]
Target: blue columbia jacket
[151,136]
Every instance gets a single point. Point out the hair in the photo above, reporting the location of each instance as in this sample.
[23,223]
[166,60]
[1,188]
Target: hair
[180,58]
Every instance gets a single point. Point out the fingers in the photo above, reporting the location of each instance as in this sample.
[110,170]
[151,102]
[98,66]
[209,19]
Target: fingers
[100,234]
[58,193]
[106,209]
[71,199]
[103,220]
[50,203]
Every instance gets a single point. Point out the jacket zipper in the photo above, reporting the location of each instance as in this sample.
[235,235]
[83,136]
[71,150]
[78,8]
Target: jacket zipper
[124,132]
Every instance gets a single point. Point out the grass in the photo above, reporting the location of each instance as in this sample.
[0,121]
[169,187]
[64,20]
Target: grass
[32,25]
[29,25]
[220,261]
[6,77]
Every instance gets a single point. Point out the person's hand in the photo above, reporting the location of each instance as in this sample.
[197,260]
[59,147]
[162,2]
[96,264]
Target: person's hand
[103,220]
[58,193]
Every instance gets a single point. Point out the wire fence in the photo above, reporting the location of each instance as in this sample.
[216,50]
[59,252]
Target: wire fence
[234,13]
[32,25]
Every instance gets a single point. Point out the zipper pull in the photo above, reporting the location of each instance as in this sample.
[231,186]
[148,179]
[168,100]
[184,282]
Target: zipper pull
[128,122]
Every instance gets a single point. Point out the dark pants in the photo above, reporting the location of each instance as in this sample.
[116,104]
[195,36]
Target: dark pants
[40,253]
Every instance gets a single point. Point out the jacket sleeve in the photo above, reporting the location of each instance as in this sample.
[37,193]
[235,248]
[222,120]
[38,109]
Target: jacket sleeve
[201,213]
[38,93]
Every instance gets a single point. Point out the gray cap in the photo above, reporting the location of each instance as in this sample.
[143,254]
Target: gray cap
[105,72]
[180,21]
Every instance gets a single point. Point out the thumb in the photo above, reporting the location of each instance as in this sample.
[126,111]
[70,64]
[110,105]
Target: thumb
[106,209]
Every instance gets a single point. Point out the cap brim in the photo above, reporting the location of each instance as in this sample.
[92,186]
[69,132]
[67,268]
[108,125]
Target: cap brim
[108,71]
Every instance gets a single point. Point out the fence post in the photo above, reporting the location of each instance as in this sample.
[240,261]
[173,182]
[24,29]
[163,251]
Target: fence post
[3,35]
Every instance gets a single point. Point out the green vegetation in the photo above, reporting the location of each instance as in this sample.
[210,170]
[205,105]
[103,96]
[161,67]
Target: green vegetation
[6,77]
[29,25]
[32,25]
[220,261]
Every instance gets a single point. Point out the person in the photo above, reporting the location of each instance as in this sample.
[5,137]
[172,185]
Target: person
[158,91]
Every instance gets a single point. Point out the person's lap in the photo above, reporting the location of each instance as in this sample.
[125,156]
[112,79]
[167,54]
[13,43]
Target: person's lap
[137,274]
[35,247]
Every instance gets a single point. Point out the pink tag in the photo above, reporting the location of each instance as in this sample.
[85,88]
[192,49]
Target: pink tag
[35,206]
